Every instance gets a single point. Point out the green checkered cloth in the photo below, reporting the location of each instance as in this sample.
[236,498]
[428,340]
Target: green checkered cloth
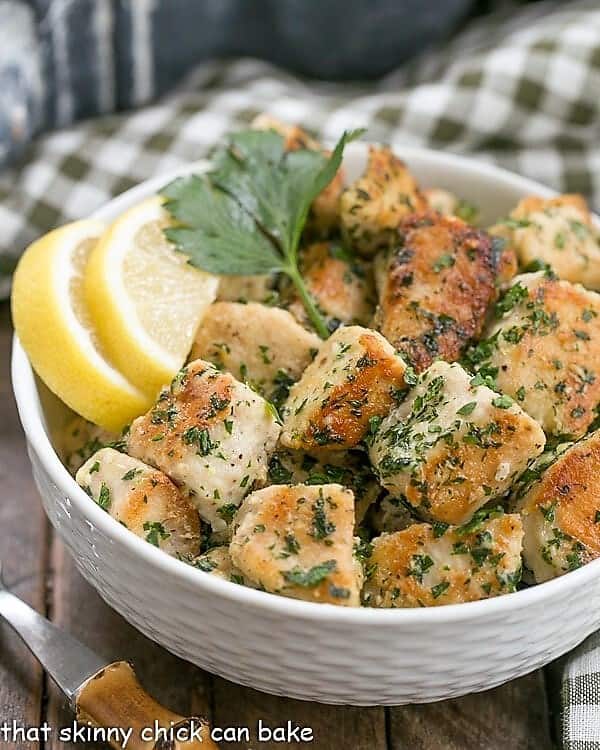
[580,697]
[521,90]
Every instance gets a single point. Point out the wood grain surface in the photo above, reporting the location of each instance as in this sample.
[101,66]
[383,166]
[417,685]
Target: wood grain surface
[37,567]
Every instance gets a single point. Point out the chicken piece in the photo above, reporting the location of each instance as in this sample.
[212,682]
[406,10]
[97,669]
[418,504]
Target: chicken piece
[298,541]
[341,284]
[542,350]
[80,439]
[262,345]
[556,231]
[560,505]
[258,288]
[348,468]
[428,566]
[354,378]
[449,204]
[453,445]
[144,500]
[324,213]
[435,288]
[212,435]
[390,514]
[374,205]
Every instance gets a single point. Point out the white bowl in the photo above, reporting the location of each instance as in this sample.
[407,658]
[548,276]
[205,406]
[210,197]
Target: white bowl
[312,651]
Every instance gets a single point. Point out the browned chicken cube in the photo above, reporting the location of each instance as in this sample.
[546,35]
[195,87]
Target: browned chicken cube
[144,500]
[374,205]
[298,541]
[235,288]
[212,435]
[263,346]
[544,351]
[556,231]
[428,566]
[435,288]
[355,377]
[453,445]
[560,505]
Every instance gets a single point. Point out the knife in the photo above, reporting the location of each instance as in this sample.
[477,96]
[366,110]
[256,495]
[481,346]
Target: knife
[102,694]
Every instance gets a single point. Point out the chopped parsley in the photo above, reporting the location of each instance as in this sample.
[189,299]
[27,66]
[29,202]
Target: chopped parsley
[439,589]
[588,314]
[104,498]
[511,298]
[321,526]
[502,402]
[205,564]
[227,512]
[264,353]
[466,211]
[155,532]
[363,550]
[419,565]
[131,474]
[278,473]
[312,577]
[467,409]
[200,438]
[292,546]
[444,261]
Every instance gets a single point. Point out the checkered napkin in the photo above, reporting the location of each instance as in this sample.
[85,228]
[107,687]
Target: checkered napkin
[520,89]
[580,697]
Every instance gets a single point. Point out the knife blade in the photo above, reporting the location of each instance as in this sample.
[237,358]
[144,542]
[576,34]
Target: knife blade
[101,693]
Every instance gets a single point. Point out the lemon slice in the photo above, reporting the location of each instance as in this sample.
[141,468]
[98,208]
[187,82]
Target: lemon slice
[145,298]
[55,328]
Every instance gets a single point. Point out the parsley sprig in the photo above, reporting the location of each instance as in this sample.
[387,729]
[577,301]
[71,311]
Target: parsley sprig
[246,215]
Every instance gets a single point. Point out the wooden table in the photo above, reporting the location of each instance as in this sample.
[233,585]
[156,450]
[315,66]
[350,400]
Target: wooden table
[37,568]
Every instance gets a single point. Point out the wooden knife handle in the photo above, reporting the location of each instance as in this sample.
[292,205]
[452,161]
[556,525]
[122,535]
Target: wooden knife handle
[114,698]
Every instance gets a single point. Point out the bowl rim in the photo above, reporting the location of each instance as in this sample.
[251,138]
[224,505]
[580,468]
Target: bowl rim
[31,416]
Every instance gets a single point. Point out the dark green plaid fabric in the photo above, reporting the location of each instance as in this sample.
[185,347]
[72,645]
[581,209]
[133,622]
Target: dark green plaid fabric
[521,90]
[580,720]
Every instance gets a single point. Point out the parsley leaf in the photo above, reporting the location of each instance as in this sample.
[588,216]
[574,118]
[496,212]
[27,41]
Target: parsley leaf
[512,297]
[156,532]
[246,215]
[439,589]
[312,577]
[215,232]
[467,409]
[104,498]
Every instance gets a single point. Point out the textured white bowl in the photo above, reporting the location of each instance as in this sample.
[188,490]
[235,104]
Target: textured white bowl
[299,649]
